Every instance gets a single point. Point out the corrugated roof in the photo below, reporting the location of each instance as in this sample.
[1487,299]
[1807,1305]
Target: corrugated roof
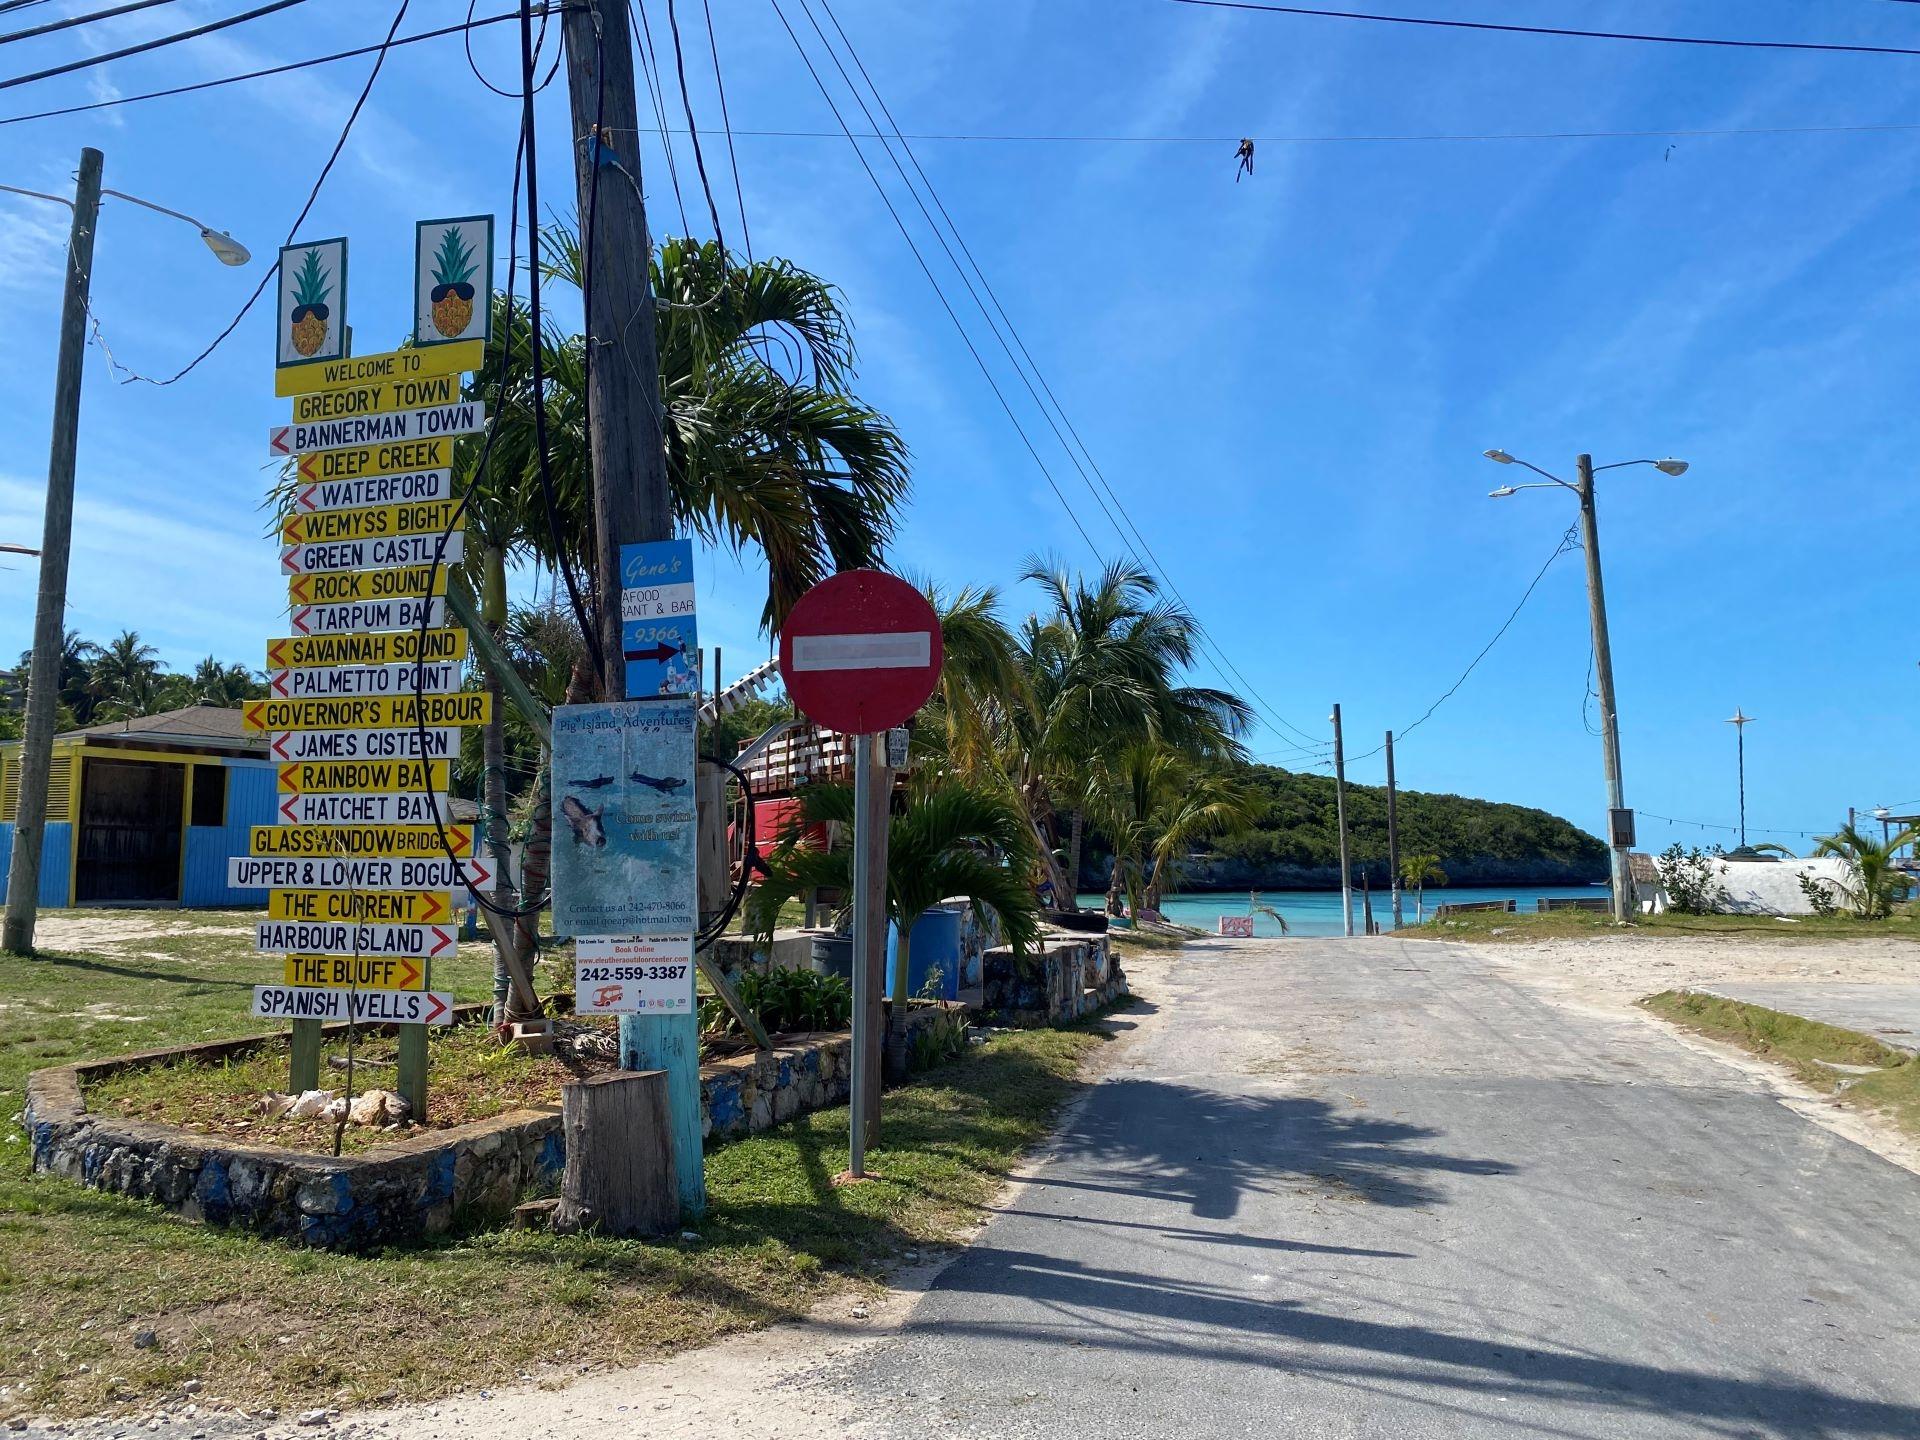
[196,724]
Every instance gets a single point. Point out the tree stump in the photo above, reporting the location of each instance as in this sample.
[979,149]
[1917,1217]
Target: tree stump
[620,1175]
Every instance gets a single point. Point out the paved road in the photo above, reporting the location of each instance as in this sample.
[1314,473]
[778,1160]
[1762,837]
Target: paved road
[1373,1188]
[1889,1013]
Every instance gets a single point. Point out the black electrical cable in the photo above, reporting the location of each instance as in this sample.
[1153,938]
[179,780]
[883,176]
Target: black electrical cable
[263,74]
[656,96]
[73,20]
[749,858]
[1488,25]
[298,220]
[726,124]
[693,130]
[146,45]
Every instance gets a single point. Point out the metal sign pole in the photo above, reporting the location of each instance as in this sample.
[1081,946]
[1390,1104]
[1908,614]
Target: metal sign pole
[862,1000]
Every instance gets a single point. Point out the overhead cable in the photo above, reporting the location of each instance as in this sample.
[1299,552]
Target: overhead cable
[73,20]
[144,46]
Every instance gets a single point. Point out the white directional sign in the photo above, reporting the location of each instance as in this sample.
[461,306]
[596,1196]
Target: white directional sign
[344,616]
[431,679]
[463,418]
[368,1007]
[656,602]
[248,872]
[380,553]
[368,490]
[399,808]
[404,743]
[322,937]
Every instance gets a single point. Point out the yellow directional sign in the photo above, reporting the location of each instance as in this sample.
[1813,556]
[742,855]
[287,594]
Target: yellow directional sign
[379,398]
[369,712]
[396,842]
[389,647]
[365,370]
[363,777]
[363,972]
[381,907]
[376,522]
[389,457]
[406,582]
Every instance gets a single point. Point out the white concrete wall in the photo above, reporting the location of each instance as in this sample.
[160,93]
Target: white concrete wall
[1757,887]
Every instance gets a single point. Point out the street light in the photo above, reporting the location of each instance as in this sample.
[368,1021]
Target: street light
[43,672]
[1619,818]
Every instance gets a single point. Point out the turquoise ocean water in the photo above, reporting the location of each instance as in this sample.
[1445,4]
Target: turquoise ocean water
[1317,912]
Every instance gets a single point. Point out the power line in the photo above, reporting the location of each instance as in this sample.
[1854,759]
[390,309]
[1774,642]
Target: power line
[298,220]
[656,96]
[693,129]
[726,124]
[271,70]
[73,20]
[1139,540]
[1428,22]
[155,44]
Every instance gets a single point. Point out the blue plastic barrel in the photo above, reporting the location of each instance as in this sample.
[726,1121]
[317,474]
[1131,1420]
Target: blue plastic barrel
[936,946]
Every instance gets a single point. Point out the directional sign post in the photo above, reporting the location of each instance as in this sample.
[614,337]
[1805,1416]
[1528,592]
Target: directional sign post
[860,653]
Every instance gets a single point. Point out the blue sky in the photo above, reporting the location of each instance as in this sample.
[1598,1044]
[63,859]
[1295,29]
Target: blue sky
[1288,381]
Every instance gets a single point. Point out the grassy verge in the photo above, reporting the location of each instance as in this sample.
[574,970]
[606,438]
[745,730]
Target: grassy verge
[265,1324]
[1891,1087]
[1497,928]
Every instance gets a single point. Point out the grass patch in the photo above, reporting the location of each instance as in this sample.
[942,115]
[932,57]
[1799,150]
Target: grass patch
[1890,1087]
[1497,928]
[265,1323]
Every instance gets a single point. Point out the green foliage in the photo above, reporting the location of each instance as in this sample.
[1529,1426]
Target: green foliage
[938,1040]
[1691,879]
[1872,883]
[746,721]
[782,1000]
[125,679]
[1297,828]
[1819,895]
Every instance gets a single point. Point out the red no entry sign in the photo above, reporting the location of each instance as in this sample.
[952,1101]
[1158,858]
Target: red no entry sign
[861,652]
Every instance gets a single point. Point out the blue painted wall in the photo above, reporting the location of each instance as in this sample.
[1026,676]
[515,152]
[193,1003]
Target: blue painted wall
[56,861]
[250,801]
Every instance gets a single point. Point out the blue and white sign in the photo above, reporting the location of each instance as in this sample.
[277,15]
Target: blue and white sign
[657,634]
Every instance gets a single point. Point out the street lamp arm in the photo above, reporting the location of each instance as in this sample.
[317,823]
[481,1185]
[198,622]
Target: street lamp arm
[38,195]
[1538,471]
[226,249]
[136,200]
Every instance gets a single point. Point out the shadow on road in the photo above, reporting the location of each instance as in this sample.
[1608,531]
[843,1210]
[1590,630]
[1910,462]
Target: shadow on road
[1159,1141]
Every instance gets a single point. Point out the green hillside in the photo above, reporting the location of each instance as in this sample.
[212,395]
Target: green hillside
[1296,843]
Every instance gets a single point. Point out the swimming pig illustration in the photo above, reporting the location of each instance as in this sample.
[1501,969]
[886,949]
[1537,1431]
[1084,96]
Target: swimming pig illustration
[665,787]
[598,782]
[587,829]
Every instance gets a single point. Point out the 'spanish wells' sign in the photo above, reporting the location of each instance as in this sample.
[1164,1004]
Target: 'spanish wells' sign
[623,819]
[452,280]
[310,322]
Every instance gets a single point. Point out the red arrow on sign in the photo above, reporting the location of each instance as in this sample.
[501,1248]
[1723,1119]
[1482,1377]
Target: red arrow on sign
[279,746]
[444,938]
[277,652]
[305,498]
[252,716]
[282,439]
[478,874]
[279,683]
[412,974]
[288,565]
[286,809]
[289,774]
[433,906]
[300,588]
[304,466]
[290,531]
[439,1008]
[300,618]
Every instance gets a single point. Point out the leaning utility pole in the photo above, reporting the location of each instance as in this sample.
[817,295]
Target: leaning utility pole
[50,614]
[1340,813]
[1393,834]
[1619,821]
[631,502]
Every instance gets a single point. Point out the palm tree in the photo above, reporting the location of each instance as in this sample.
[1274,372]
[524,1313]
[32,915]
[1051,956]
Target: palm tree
[1872,883]
[1152,804]
[213,683]
[952,840]
[1416,873]
[981,684]
[1102,672]
[75,656]
[123,676]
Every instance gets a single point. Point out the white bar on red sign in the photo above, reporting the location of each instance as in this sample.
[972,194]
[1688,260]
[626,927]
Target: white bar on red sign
[368,1007]
[656,602]
[374,490]
[405,743]
[631,975]
[251,872]
[315,557]
[461,418]
[889,650]
[400,808]
[434,678]
[343,617]
[325,937]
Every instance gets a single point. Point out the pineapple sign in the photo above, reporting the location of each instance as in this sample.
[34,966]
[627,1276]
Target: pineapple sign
[452,279]
[311,323]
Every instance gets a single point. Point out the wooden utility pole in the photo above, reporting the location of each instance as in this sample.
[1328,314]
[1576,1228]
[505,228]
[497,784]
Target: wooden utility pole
[50,614]
[631,501]
[1393,834]
[1340,813]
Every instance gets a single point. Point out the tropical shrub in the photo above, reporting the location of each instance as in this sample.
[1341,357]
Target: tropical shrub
[1872,883]
[782,1000]
[1692,879]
